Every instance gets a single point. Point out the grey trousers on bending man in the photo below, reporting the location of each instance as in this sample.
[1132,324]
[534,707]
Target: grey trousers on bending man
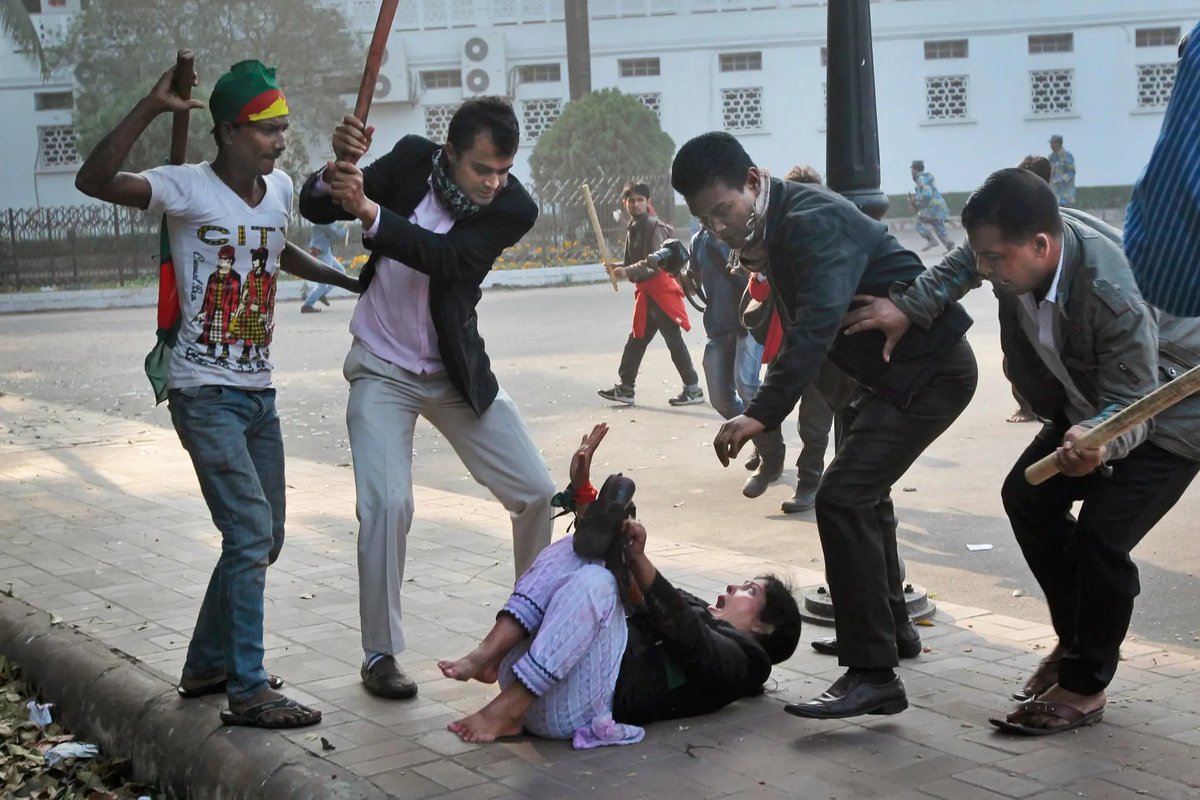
[496,447]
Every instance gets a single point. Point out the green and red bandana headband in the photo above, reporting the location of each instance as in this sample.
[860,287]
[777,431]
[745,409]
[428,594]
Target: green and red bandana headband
[247,93]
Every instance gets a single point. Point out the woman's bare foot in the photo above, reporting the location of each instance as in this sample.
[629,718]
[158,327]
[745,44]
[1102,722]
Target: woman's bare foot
[1020,415]
[477,664]
[501,717]
[483,663]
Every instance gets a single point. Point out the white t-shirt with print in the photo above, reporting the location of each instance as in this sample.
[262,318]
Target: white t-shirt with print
[226,257]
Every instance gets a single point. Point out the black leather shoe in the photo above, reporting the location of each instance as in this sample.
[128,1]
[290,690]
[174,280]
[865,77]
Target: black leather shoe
[600,525]
[386,679]
[851,696]
[908,644]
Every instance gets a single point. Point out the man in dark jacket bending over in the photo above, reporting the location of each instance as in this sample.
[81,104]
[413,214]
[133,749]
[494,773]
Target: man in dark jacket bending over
[821,254]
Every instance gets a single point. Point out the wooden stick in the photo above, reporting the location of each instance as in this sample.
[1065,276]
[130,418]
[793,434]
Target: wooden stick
[366,89]
[605,256]
[1123,421]
[185,73]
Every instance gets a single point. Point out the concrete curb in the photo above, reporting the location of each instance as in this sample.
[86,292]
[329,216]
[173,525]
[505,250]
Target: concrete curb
[130,713]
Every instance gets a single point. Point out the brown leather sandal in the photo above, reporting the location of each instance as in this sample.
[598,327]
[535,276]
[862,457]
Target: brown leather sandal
[1045,676]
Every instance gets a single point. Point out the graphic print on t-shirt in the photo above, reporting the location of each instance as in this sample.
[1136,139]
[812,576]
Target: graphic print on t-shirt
[226,256]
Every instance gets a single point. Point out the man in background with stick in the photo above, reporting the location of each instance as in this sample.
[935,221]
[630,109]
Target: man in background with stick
[435,218]
[1101,347]
[220,216]
[657,303]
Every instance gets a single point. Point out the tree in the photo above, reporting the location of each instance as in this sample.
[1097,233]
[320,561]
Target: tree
[118,48]
[17,25]
[602,134]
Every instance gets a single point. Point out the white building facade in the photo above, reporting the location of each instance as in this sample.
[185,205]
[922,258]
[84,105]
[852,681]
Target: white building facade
[966,85]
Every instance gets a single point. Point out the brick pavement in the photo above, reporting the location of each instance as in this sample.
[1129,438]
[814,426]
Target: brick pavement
[102,525]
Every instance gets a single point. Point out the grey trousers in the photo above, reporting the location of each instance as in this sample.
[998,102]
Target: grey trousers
[496,447]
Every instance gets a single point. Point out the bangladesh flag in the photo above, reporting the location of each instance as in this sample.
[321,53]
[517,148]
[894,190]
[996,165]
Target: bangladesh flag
[168,317]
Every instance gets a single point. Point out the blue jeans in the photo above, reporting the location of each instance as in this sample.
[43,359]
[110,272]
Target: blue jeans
[322,289]
[233,438]
[732,365]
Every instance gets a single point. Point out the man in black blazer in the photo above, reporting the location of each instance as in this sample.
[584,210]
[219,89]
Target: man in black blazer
[821,254]
[435,218]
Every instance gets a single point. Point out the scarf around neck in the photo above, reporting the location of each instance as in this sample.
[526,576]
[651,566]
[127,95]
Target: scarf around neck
[447,191]
[752,255]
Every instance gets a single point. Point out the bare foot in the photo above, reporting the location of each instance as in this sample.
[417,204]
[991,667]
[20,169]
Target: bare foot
[475,664]
[482,726]
[501,717]
[1021,416]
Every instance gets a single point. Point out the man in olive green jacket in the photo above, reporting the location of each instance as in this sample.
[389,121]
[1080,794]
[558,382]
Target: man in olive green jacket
[1096,346]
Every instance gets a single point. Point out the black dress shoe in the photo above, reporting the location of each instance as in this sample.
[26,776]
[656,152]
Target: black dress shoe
[851,696]
[386,679]
[906,646]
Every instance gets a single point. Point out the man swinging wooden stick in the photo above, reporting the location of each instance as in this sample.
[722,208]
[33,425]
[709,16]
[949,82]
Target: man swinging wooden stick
[226,221]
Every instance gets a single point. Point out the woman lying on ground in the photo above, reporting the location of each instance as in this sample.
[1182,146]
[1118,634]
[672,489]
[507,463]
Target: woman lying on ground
[571,657]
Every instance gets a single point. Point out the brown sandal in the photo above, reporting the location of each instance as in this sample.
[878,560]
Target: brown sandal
[1045,676]
[1017,722]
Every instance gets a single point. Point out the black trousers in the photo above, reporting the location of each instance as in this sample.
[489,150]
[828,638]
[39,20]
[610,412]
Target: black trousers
[657,321]
[855,517]
[1083,564]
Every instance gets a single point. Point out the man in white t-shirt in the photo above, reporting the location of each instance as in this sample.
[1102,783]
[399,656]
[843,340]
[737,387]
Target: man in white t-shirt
[226,220]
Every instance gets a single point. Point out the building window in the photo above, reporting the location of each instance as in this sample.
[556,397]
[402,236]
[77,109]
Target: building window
[652,101]
[946,97]
[53,101]
[1051,92]
[437,121]
[1154,82]
[742,109]
[441,78]
[638,67]
[539,115]
[948,48]
[741,62]
[539,73]
[1157,37]
[1051,43]
[56,146]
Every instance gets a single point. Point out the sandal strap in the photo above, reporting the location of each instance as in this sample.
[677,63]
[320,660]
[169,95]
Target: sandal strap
[1068,714]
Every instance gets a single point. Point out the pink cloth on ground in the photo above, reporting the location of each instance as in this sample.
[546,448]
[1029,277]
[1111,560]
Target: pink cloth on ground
[604,731]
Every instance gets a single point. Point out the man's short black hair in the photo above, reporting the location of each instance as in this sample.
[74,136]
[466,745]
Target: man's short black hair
[1038,165]
[1019,203]
[781,615]
[640,189]
[707,159]
[485,114]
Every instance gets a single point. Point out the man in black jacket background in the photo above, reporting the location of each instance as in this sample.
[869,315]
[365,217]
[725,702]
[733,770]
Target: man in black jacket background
[435,218]
[821,254]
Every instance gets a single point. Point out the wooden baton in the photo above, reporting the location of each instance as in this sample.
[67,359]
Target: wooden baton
[366,89]
[1124,420]
[605,256]
[185,73]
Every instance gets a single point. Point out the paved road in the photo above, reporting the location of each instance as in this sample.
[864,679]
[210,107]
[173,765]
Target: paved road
[552,349]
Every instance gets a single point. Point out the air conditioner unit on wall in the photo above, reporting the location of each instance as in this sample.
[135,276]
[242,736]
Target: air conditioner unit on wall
[395,84]
[483,64]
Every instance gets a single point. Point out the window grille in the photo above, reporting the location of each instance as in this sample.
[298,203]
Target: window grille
[538,116]
[437,121]
[1157,37]
[1051,91]
[742,109]
[1154,84]
[539,73]
[652,101]
[946,97]
[441,78]
[56,146]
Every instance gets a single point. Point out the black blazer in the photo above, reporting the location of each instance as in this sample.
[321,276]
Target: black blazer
[821,251]
[456,262]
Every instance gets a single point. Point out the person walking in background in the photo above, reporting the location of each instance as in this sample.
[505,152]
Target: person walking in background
[658,305]
[320,246]
[930,207]
[1062,172]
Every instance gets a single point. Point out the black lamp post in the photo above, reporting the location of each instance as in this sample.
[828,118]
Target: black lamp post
[852,128]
